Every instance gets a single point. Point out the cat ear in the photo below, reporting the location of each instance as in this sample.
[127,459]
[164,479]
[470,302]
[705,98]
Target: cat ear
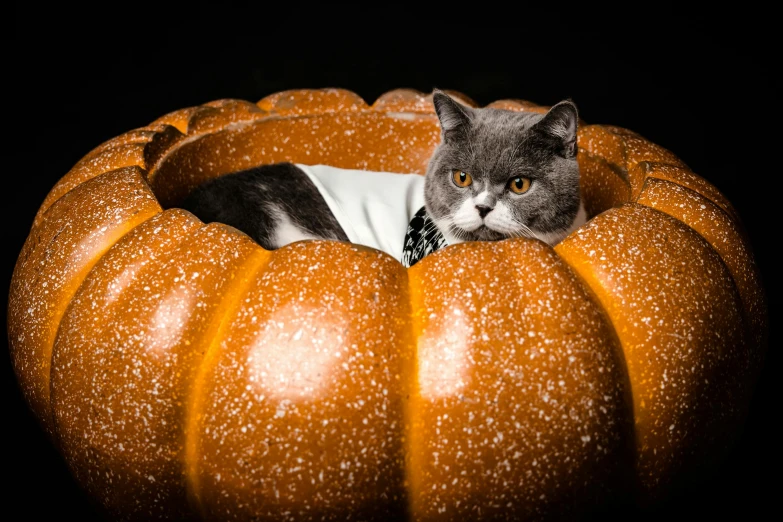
[453,116]
[560,125]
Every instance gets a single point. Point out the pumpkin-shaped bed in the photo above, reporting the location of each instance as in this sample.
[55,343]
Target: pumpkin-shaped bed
[184,371]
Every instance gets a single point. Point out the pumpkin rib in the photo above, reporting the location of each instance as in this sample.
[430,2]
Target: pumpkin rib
[600,142]
[594,297]
[520,105]
[98,266]
[719,229]
[410,386]
[127,415]
[139,147]
[530,362]
[603,184]
[668,207]
[164,155]
[226,311]
[658,340]
[690,180]
[141,135]
[68,300]
[68,278]
[419,102]
[274,395]
[405,100]
[224,113]
[626,150]
[83,172]
[619,351]
[86,390]
[178,118]
[158,146]
[618,170]
[298,98]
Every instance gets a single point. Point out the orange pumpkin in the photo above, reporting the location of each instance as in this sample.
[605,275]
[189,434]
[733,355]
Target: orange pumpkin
[182,370]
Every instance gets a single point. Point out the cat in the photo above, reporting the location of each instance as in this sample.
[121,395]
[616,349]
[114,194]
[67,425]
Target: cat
[496,174]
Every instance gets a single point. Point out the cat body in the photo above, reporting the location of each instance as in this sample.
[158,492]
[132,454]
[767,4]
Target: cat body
[273,204]
[496,174]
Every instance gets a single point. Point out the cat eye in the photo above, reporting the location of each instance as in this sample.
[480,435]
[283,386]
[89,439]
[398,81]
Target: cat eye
[519,185]
[461,178]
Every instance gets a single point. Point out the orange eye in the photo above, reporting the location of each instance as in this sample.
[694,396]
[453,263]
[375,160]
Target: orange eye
[519,185]
[461,179]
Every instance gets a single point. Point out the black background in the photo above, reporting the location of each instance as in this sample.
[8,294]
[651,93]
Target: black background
[701,87]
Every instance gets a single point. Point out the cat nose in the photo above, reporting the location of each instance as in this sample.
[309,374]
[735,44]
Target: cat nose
[483,210]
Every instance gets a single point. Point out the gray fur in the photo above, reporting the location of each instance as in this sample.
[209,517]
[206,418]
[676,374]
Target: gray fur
[494,146]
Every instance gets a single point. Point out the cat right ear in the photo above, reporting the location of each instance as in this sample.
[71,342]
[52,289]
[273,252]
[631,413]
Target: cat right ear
[559,124]
[454,117]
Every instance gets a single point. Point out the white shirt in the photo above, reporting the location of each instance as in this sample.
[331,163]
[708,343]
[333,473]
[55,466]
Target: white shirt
[373,208]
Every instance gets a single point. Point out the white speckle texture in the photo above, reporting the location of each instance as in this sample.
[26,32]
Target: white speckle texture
[492,413]
[677,313]
[184,371]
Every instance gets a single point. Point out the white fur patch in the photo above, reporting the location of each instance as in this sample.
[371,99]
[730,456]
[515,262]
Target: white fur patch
[501,219]
[467,217]
[484,198]
[286,231]
[444,227]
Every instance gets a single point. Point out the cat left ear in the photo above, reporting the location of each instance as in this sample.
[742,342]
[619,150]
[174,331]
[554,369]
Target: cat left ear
[560,123]
[453,116]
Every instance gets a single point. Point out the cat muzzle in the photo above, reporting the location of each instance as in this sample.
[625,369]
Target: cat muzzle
[483,210]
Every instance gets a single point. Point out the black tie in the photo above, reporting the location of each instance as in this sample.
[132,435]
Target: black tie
[421,239]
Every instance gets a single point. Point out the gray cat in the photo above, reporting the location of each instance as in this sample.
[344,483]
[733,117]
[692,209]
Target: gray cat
[496,174]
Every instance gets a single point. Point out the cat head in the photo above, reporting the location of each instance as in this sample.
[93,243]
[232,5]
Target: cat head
[499,174]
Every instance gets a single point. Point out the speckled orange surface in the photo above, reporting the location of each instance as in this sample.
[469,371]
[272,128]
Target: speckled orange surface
[183,371]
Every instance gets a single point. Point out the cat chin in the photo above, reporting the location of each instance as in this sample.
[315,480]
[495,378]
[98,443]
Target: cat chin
[482,233]
[454,234]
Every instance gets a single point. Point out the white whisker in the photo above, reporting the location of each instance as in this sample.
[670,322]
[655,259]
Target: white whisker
[528,230]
